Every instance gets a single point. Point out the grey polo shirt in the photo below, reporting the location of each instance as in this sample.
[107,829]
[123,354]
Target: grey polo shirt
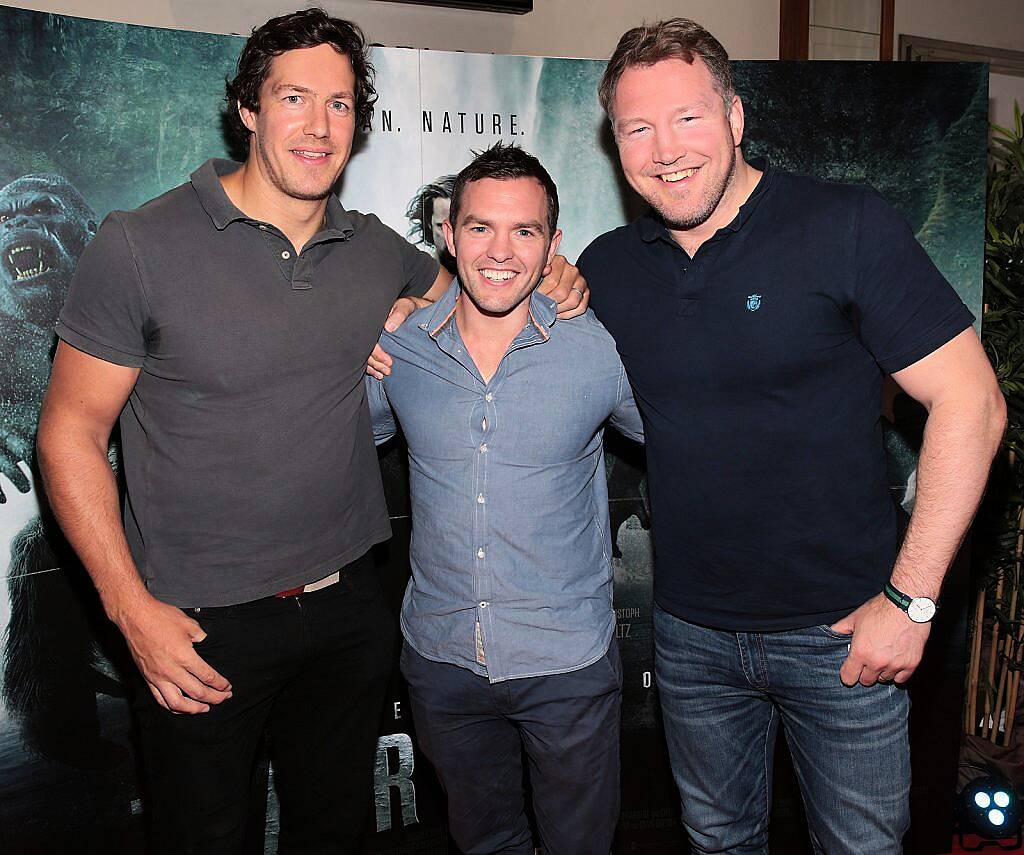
[247,446]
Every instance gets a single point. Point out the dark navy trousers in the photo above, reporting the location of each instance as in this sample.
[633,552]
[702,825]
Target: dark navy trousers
[476,734]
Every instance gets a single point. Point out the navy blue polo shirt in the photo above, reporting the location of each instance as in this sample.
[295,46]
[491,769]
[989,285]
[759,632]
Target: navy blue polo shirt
[757,366]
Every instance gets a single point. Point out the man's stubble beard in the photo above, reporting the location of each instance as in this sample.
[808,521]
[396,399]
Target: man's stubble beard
[504,310]
[278,179]
[712,198]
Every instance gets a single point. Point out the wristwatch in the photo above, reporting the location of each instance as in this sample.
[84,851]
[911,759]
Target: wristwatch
[918,609]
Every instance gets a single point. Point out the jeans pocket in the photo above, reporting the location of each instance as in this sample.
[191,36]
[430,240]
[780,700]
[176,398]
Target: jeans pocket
[208,628]
[214,622]
[825,629]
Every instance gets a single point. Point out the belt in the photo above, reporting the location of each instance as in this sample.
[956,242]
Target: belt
[326,582]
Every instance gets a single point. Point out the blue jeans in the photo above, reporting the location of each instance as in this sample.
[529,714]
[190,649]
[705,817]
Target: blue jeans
[723,696]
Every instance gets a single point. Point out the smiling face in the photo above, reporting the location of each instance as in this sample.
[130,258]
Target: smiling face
[677,139]
[302,134]
[501,242]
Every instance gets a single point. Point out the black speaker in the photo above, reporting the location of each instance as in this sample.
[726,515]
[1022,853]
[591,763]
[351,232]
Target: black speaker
[514,7]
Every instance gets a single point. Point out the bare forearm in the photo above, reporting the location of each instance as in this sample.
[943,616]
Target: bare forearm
[82,491]
[959,444]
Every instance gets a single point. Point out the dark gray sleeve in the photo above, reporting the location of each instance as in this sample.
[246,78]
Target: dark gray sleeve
[626,417]
[106,312]
[382,418]
[420,269]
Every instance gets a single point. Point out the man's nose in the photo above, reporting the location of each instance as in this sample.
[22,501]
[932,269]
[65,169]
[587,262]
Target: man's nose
[499,247]
[316,122]
[668,148]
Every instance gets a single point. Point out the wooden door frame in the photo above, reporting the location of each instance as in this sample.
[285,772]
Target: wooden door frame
[794,26]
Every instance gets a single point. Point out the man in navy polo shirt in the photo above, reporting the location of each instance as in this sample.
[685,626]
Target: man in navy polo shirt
[756,313]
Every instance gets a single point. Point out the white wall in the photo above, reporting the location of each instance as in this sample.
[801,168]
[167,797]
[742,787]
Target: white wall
[749,29]
[992,23]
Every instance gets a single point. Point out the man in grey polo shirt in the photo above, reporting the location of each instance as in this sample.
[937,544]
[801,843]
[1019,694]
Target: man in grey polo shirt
[228,323]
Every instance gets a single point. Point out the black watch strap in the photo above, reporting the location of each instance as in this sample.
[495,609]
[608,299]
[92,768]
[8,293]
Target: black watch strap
[896,596]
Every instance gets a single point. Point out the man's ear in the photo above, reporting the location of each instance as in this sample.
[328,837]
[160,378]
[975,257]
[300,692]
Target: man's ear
[449,237]
[556,239]
[736,119]
[247,116]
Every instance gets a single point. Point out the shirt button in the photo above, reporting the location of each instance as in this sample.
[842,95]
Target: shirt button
[484,604]
[483,424]
[480,553]
[483,447]
[480,499]
[263,228]
[286,255]
[488,397]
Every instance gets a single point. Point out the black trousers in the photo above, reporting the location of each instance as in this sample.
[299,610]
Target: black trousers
[475,733]
[311,671]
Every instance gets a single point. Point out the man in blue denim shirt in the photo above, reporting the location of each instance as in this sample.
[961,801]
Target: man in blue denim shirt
[508,617]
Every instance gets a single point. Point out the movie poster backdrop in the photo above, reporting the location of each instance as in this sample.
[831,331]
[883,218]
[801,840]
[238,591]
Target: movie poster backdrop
[96,116]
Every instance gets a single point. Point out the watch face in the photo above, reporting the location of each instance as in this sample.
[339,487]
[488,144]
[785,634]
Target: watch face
[921,610]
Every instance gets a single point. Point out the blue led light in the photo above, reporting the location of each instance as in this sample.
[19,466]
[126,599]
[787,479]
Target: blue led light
[996,817]
[1002,799]
[982,800]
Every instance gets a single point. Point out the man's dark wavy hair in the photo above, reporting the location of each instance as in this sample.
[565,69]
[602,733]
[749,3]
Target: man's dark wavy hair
[505,162]
[304,29]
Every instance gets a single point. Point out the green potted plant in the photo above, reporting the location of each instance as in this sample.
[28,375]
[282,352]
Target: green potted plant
[997,629]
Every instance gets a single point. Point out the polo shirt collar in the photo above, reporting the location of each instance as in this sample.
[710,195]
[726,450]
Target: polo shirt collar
[206,182]
[651,226]
[543,311]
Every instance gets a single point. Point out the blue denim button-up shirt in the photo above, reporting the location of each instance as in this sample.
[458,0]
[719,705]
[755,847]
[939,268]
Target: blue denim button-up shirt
[511,548]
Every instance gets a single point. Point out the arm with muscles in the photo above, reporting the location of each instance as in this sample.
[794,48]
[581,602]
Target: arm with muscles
[966,419]
[562,282]
[83,401]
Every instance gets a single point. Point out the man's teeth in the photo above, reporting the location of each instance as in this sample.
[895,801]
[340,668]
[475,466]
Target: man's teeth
[672,177]
[497,275]
[314,154]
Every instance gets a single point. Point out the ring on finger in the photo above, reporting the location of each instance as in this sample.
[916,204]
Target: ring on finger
[577,290]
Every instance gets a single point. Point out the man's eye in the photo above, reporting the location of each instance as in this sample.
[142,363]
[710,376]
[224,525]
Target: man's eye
[292,99]
[340,106]
[637,131]
[525,233]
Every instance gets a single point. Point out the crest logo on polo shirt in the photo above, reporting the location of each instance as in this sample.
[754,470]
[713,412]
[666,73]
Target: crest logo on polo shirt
[754,302]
